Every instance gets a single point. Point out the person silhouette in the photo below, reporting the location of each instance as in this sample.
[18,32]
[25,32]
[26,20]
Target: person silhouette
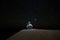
[29,25]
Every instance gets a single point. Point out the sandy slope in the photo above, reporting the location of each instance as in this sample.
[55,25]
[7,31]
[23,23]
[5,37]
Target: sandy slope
[35,34]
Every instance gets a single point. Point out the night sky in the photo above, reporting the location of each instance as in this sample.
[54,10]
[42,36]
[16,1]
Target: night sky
[17,12]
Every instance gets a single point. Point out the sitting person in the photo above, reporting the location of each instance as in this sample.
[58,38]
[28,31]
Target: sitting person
[29,25]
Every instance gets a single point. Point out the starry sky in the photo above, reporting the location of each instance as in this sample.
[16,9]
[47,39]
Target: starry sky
[17,12]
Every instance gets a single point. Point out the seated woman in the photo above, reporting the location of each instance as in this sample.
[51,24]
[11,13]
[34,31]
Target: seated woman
[29,25]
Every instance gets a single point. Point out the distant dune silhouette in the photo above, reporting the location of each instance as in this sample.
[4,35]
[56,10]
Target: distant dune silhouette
[36,34]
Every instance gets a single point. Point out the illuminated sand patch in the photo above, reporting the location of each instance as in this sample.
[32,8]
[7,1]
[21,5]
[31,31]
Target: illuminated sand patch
[35,34]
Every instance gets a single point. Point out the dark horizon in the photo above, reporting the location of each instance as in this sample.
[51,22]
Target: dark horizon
[20,11]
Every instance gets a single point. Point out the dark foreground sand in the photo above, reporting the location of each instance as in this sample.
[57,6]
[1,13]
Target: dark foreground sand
[36,34]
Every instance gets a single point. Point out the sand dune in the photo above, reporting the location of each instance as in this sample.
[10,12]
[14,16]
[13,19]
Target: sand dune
[36,34]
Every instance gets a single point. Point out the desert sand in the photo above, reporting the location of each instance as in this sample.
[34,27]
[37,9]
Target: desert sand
[36,34]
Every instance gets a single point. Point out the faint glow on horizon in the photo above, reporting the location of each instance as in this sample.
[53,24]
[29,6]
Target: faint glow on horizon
[35,19]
